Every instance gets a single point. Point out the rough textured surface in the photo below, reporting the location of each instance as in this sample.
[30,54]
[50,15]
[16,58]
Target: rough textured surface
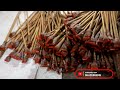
[69,76]
[15,69]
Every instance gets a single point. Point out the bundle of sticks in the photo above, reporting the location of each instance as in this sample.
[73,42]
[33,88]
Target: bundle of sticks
[23,41]
[90,38]
[95,38]
[62,42]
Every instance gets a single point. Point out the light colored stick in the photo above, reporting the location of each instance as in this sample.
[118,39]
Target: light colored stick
[14,22]
[36,31]
[24,41]
[28,26]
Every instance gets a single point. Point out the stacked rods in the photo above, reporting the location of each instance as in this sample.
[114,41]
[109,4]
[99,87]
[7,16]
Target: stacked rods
[24,40]
[89,38]
[62,42]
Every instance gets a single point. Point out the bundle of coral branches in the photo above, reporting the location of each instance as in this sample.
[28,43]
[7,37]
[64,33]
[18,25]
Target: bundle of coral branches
[62,42]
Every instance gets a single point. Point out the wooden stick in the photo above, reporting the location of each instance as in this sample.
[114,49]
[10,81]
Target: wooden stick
[14,22]
[103,27]
[114,25]
[24,41]
[94,16]
[31,17]
[36,31]
[28,26]
[111,27]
